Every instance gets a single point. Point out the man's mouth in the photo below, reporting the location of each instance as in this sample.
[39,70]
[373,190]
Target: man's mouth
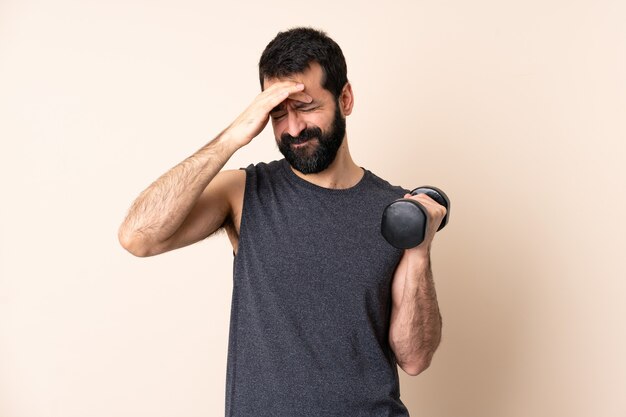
[301,142]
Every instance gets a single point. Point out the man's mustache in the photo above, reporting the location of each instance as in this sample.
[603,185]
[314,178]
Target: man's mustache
[306,134]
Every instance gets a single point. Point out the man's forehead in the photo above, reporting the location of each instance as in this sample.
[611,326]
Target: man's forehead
[311,77]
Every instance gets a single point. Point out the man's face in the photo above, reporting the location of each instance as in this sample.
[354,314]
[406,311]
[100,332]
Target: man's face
[308,134]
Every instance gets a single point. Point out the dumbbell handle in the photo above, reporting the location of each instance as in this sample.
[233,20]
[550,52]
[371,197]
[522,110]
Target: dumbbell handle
[404,221]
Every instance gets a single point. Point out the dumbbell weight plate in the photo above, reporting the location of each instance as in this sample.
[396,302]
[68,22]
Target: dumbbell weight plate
[404,223]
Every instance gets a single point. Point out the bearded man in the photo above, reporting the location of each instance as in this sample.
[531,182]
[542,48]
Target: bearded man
[323,308]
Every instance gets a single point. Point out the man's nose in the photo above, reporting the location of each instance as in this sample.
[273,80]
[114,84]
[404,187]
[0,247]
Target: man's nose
[295,124]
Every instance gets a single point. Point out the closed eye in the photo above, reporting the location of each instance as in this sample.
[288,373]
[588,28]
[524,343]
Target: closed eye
[280,114]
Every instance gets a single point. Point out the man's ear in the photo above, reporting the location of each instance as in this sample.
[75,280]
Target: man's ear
[346,99]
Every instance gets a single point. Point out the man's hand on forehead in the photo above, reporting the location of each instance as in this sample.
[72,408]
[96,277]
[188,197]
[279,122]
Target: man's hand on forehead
[286,90]
[301,97]
[253,120]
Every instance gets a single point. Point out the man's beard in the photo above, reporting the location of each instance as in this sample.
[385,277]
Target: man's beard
[323,155]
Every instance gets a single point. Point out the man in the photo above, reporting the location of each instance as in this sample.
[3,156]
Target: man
[323,307]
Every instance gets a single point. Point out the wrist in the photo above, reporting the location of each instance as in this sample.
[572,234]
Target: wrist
[229,142]
[419,253]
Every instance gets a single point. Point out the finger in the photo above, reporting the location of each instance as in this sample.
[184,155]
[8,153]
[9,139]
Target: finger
[422,198]
[285,87]
[301,96]
[431,205]
[280,94]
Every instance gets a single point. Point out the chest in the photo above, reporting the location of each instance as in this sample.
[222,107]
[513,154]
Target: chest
[325,247]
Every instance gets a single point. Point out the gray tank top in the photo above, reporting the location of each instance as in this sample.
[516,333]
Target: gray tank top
[311,300]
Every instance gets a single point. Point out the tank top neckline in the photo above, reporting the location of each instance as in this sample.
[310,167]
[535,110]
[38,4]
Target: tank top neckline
[295,179]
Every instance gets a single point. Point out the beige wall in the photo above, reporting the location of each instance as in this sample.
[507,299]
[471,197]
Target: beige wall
[516,109]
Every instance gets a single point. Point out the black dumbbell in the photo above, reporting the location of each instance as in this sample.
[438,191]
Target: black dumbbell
[404,220]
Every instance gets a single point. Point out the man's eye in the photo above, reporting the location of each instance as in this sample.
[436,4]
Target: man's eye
[278,115]
[309,109]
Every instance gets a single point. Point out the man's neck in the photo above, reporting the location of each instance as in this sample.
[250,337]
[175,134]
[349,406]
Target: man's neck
[341,173]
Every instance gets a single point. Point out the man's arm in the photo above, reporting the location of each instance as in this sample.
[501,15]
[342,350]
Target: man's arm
[415,324]
[153,223]
[160,210]
[415,327]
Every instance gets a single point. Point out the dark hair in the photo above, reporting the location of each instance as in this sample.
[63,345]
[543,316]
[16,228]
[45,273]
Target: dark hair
[293,51]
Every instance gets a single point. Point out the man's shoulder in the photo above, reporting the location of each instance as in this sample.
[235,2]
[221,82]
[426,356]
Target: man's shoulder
[271,166]
[384,185]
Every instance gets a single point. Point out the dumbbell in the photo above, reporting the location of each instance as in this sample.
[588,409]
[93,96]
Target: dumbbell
[404,220]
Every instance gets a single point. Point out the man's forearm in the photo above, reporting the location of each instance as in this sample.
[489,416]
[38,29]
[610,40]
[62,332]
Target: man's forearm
[415,328]
[162,207]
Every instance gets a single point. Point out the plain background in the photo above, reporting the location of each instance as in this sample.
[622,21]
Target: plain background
[515,108]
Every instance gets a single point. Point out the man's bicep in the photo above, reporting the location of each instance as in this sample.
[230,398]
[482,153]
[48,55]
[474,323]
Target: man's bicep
[213,211]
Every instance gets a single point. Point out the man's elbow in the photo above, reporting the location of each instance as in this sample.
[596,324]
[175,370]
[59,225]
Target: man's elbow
[418,366]
[132,245]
